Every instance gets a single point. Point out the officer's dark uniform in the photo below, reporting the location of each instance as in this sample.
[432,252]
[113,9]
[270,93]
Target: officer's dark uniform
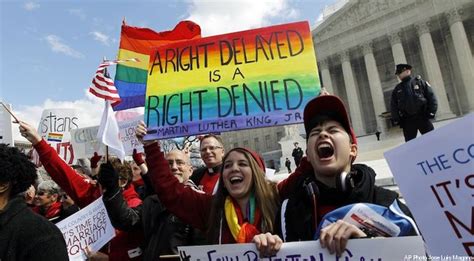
[413,104]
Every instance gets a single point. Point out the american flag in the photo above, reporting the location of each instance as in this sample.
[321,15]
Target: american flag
[102,86]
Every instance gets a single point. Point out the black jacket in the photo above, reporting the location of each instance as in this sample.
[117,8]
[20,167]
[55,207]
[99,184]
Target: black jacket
[25,235]
[297,154]
[299,218]
[163,231]
[199,173]
[412,97]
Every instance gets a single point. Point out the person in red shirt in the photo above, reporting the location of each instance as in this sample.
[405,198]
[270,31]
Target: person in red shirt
[83,192]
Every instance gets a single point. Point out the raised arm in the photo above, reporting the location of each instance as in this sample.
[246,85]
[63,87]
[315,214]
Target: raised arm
[82,192]
[187,204]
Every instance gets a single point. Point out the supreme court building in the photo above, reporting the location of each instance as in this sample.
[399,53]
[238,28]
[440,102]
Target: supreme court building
[357,48]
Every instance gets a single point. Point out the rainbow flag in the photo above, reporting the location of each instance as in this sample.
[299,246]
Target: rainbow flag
[55,137]
[136,42]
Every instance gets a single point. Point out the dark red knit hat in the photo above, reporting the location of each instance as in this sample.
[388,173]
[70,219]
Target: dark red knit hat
[328,105]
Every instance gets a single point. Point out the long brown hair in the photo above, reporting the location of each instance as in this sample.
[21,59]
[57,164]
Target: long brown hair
[266,197]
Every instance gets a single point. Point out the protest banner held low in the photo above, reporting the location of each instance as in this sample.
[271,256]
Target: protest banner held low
[244,80]
[435,174]
[391,249]
[90,226]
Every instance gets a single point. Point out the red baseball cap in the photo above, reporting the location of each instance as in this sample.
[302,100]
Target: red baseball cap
[331,106]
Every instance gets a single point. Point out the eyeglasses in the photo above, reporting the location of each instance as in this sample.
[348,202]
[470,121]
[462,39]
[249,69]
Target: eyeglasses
[210,148]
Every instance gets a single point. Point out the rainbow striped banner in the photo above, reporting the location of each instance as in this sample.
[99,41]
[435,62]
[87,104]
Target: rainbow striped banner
[55,137]
[135,42]
[243,80]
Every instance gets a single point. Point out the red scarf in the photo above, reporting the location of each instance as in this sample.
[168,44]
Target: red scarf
[52,211]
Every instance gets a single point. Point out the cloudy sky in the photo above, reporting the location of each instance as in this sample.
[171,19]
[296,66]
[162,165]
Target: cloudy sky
[51,49]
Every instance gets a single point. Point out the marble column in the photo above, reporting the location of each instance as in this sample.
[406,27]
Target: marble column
[352,95]
[463,54]
[433,71]
[456,76]
[397,48]
[375,85]
[326,75]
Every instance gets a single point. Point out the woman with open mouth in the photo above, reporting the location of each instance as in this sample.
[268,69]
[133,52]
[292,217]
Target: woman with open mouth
[244,205]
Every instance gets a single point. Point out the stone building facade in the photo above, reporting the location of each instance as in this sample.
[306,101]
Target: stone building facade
[359,45]
[263,140]
[357,48]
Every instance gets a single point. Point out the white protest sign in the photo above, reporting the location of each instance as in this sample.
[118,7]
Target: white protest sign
[55,126]
[435,173]
[85,143]
[395,248]
[127,135]
[6,126]
[89,227]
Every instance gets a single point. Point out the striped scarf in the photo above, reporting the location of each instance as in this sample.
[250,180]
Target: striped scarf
[243,230]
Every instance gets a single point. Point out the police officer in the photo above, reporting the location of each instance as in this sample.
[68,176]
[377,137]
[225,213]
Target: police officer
[413,103]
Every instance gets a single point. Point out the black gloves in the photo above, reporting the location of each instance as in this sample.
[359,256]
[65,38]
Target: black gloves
[108,178]
[431,115]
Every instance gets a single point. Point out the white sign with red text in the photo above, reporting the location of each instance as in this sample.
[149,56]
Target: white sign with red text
[55,127]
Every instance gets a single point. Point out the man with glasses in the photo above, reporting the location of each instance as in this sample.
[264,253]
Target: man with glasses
[163,231]
[212,152]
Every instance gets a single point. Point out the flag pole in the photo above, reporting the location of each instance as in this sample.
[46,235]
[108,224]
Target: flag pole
[103,87]
[106,146]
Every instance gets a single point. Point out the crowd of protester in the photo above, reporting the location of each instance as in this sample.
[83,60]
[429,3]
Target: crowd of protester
[159,201]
